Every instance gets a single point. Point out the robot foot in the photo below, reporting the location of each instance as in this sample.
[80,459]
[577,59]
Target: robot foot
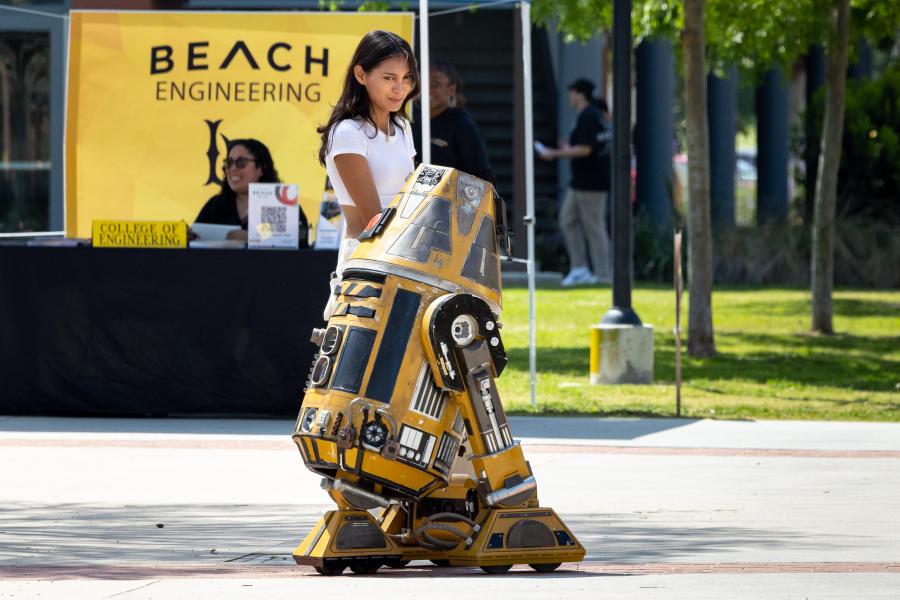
[353,539]
[347,539]
[533,536]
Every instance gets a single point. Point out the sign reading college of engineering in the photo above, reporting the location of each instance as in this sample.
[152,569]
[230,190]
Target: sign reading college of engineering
[139,234]
[153,98]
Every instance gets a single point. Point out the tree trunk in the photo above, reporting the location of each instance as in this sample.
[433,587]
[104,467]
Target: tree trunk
[693,41]
[826,179]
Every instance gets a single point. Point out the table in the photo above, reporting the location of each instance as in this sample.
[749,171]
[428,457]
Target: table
[118,332]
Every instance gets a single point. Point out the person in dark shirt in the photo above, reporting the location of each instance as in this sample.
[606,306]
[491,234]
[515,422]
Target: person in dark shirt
[248,161]
[455,139]
[582,216]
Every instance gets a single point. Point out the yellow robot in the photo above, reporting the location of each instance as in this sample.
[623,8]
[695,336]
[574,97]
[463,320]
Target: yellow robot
[401,415]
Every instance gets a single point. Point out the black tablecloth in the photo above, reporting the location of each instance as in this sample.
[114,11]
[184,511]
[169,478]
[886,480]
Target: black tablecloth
[88,331]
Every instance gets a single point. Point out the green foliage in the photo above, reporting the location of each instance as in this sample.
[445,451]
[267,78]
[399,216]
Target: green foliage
[754,34]
[869,177]
[375,6]
[663,18]
[577,20]
[874,19]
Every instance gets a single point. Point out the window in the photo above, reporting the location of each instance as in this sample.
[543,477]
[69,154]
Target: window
[25,140]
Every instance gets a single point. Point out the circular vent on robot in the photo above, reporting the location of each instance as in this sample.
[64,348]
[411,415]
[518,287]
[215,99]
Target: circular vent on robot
[374,434]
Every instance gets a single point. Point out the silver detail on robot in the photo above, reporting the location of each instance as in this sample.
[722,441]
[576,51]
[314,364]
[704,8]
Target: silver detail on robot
[446,454]
[324,419]
[447,362]
[428,398]
[485,389]
[464,329]
[459,425]
[321,370]
[308,421]
[342,486]
[386,414]
[331,341]
[415,446]
[498,496]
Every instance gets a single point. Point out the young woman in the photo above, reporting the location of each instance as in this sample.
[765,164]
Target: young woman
[367,146]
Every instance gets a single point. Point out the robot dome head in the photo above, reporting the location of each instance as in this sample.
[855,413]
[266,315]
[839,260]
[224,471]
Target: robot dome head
[445,227]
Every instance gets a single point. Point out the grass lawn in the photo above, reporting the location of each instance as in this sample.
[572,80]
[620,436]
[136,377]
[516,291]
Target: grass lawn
[768,366]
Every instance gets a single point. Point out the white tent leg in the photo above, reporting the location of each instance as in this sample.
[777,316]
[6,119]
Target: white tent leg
[424,68]
[529,192]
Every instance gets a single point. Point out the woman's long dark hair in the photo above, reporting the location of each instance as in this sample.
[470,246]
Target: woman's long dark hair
[264,161]
[375,47]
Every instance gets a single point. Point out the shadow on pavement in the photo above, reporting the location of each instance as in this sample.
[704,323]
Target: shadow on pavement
[223,534]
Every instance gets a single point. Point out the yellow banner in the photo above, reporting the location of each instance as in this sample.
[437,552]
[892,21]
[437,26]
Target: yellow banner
[153,97]
[139,234]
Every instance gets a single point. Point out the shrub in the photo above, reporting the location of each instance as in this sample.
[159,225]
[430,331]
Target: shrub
[869,175]
[866,254]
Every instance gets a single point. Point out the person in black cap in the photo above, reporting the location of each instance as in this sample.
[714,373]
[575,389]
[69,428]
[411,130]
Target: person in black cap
[582,216]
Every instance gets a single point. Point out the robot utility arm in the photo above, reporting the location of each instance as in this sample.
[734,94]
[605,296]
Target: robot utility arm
[462,342]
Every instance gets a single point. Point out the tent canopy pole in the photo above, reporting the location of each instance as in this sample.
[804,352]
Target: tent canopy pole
[525,9]
[424,81]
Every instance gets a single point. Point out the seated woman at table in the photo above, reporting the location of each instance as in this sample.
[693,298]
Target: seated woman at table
[249,161]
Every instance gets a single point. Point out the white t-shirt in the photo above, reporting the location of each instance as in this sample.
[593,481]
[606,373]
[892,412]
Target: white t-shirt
[390,158]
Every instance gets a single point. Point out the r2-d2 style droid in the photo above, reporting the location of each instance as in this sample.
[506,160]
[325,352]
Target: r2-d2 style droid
[401,414]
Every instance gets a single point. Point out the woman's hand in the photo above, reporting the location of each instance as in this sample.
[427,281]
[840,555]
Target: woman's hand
[238,235]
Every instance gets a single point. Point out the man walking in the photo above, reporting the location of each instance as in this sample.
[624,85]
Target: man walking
[582,217]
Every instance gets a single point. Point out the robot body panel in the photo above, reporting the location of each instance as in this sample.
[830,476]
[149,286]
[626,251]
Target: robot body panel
[401,411]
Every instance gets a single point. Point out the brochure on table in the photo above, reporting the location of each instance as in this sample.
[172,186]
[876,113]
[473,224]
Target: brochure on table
[330,223]
[274,216]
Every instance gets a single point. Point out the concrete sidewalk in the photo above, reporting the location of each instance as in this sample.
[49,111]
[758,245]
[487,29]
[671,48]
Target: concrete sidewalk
[666,508]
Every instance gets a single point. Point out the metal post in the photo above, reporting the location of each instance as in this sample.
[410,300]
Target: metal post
[529,192]
[678,290]
[621,312]
[424,69]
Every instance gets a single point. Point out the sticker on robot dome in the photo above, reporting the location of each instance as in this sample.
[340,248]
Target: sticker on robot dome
[428,178]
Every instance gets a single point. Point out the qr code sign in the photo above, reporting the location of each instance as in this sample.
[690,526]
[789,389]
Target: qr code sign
[275,217]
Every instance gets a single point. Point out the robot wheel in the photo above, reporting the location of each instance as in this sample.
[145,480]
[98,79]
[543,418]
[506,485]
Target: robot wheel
[545,567]
[496,569]
[360,566]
